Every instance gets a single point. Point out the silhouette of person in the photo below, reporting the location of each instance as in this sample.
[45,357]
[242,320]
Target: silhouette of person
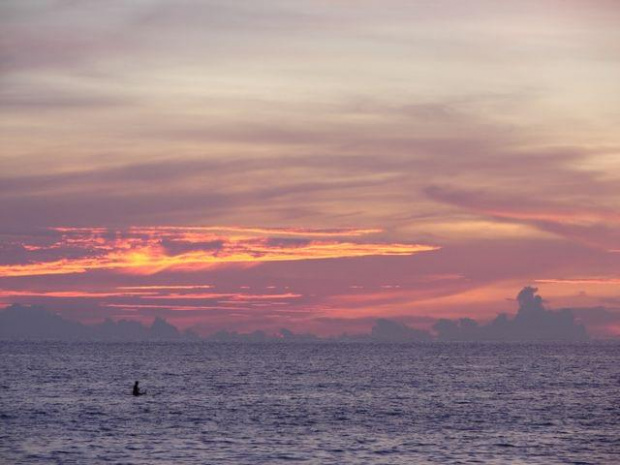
[137,391]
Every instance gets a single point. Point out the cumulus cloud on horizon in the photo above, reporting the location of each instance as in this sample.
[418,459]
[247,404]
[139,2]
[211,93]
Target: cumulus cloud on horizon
[532,322]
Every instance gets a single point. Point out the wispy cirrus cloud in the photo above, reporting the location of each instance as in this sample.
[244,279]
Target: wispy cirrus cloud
[564,214]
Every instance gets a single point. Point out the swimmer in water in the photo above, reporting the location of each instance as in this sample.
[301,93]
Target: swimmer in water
[137,391]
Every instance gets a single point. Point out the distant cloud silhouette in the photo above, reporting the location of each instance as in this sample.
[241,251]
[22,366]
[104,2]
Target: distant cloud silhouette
[233,336]
[600,319]
[532,322]
[24,322]
[386,330]
[290,336]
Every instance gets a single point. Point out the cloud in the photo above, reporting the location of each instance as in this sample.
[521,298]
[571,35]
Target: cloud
[599,280]
[605,321]
[558,213]
[385,330]
[24,322]
[122,114]
[249,311]
[54,100]
[61,36]
[532,322]
[142,251]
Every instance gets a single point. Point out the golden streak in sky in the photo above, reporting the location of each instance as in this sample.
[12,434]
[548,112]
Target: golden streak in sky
[147,251]
[580,281]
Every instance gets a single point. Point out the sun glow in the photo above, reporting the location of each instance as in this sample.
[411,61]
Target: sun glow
[152,250]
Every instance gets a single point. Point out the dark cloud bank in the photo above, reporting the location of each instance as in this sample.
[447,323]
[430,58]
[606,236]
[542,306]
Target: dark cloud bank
[19,322]
[533,322]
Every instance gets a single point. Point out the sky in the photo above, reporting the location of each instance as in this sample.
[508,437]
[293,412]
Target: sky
[314,165]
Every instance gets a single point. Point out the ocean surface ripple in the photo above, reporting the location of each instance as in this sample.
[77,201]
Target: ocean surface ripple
[316,403]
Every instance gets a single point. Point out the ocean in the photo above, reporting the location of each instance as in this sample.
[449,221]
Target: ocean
[315,403]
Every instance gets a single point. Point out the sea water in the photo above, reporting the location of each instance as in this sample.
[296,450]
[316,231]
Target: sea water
[316,403]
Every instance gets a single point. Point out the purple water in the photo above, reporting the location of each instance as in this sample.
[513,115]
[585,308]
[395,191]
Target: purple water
[310,403]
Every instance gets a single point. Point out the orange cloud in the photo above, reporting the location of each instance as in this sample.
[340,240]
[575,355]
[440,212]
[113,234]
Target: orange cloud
[147,250]
[580,281]
[215,231]
[71,294]
[233,297]
[171,287]
[174,307]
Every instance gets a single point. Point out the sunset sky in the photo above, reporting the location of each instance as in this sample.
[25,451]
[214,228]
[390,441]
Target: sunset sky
[310,164]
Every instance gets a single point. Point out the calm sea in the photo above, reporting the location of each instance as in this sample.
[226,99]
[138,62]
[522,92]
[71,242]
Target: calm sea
[310,403]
